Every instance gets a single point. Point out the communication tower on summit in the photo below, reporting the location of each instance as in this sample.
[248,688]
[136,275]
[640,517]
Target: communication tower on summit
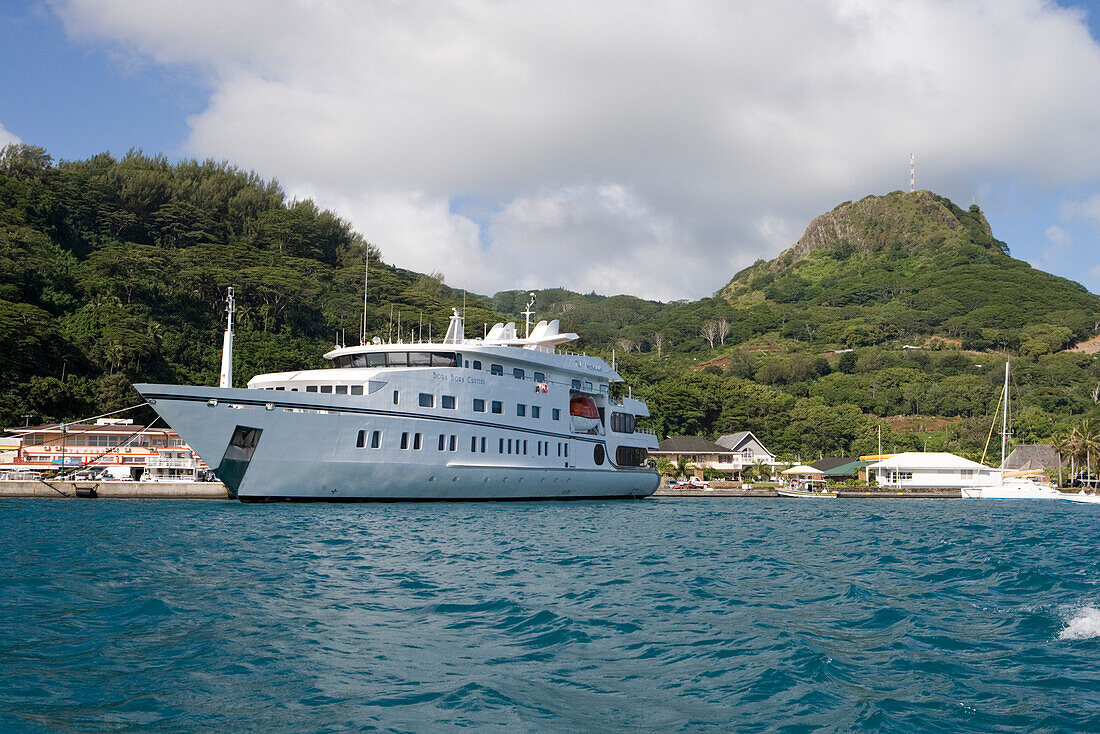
[912,172]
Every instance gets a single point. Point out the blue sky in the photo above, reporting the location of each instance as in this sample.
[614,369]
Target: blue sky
[564,146]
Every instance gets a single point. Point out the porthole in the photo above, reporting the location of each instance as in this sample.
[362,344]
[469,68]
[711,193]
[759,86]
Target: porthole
[598,454]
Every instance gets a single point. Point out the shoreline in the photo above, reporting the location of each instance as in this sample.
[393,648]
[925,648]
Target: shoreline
[114,490]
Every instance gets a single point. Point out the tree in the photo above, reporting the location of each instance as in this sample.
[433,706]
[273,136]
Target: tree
[722,327]
[1061,444]
[658,341]
[709,331]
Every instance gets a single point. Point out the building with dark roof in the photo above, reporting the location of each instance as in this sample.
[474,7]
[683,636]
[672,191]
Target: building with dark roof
[731,453]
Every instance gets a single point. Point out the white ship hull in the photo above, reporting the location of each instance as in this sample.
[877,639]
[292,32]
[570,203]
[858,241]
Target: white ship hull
[302,446]
[1012,490]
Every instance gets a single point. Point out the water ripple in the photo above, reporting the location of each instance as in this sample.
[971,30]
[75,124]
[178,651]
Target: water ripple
[711,615]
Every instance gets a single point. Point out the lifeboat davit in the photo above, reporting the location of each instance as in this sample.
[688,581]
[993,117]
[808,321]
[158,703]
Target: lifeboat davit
[584,414]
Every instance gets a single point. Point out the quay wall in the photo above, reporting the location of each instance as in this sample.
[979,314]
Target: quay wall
[116,490]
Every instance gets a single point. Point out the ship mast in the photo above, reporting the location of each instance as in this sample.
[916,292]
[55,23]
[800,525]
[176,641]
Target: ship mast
[1004,421]
[527,314]
[363,324]
[227,343]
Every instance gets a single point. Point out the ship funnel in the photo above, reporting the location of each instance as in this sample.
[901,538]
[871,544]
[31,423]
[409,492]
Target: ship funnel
[454,329]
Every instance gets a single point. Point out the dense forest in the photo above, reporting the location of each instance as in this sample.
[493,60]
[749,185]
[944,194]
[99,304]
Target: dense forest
[896,311]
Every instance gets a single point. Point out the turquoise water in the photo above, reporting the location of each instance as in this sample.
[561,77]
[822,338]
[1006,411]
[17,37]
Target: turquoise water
[649,616]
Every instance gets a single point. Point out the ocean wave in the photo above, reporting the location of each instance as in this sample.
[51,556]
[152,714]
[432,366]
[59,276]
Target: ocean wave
[1084,625]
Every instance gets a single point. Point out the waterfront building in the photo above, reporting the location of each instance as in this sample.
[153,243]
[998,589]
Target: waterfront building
[119,444]
[932,469]
[732,453]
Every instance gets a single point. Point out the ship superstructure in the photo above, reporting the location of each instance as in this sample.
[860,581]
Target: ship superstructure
[498,417]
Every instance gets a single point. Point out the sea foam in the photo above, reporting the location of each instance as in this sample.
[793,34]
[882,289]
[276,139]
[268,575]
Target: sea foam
[1085,624]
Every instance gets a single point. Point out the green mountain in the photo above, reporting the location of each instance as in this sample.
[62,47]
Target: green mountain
[914,266]
[114,271]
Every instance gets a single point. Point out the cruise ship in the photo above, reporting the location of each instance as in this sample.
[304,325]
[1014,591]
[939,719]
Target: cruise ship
[499,417]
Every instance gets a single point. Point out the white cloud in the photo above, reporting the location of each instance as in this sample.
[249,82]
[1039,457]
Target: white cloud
[1087,210]
[652,149]
[7,138]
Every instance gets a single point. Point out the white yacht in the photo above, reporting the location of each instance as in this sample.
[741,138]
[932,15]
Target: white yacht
[173,465]
[499,417]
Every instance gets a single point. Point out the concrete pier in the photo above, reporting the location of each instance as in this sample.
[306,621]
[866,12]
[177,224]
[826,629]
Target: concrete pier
[115,490]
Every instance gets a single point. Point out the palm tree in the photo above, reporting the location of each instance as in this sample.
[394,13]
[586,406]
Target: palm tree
[681,465]
[760,470]
[1089,440]
[1060,442]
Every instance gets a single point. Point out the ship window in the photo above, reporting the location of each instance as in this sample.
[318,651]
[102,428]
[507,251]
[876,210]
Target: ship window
[280,388]
[427,400]
[416,441]
[521,409]
[326,388]
[479,405]
[555,413]
[576,384]
[509,446]
[341,389]
[598,454]
[500,446]
[473,444]
[567,449]
[376,359]
[447,401]
[294,389]
[536,411]
[442,441]
[444,359]
[361,440]
[496,369]
[355,389]
[452,445]
[517,372]
[395,396]
[404,441]
[498,407]
[524,446]
[559,448]
[311,388]
[622,422]
[477,364]
[397,359]
[540,377]
[630,456]
[376,439]
[420,359]
[483,444]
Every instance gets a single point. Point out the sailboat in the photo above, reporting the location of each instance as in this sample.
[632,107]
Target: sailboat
[1014,485]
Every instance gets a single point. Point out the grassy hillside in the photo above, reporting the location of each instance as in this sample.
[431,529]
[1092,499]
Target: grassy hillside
[114,271]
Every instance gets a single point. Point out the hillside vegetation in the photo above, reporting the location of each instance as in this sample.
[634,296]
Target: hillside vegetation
[114,271]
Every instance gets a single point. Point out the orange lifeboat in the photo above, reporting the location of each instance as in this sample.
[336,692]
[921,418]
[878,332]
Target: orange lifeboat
[584,414]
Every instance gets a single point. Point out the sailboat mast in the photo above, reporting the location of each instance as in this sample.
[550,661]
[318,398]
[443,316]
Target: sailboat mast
[1004,420]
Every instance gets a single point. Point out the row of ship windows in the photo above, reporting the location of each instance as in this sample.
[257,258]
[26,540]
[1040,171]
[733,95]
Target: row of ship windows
[431,359]
[449,442]
[447,402]
[358,389]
